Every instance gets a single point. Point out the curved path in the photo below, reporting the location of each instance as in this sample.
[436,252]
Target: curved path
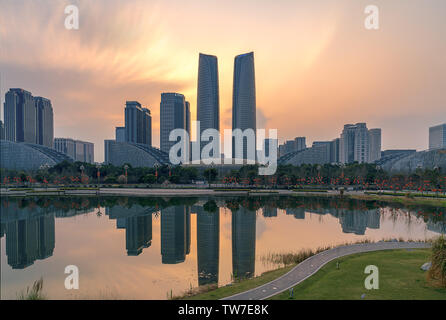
[311,265]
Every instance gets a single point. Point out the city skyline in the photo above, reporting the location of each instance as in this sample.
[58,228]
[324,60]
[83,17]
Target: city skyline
[333,75]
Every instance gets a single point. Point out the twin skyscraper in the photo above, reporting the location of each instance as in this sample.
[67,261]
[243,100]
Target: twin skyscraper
[243,96]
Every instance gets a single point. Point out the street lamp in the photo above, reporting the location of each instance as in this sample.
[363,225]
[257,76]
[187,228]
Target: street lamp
[126,167]
[156,171]
[82,168]
[98,166]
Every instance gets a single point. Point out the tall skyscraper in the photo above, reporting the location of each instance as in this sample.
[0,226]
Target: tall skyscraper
[375,145]
[208,105]
[437,137]
[20,116]
[244,97]
[138,123]
[44,122]
[27,118]
[172,116]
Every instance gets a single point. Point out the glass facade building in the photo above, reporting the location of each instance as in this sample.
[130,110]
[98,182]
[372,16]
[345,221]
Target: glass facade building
[244,97]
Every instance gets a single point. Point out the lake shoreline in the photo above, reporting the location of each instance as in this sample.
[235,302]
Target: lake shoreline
[194,192]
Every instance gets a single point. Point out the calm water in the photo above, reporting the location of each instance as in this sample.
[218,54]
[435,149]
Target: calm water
[146,248]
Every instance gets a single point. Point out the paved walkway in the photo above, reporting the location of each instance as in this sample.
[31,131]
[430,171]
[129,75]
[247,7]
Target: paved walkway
[311,265]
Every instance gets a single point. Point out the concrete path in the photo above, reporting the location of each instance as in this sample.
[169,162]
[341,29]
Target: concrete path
[311,265]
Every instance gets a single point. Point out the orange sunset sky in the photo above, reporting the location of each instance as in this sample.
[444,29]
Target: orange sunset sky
[317,66]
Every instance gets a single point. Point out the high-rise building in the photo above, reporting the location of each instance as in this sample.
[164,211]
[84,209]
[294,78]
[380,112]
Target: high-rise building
[2,131]
[188,118]
[362,143]
[138,123]
[375,145]
[358,144]
[20,116]
[120,134]
[354,143]
[334,151]
[244,98]
[78,150]
[172,116]
[27,118]
[208,105]
[44,122]
[437,137]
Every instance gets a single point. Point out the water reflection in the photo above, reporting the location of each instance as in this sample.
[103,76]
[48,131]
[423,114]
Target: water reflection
[243,242]
[175,231]
[137,222]
[208,245]
[29,225]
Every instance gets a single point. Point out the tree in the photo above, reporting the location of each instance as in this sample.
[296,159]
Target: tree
[210,174]
[149,178]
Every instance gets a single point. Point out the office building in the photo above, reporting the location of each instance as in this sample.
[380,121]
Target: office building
[437,137]
[375,145]
[172,116]
[28,119]
[2,131]
[355,144]
[120,134]
[20,116]
[244,98]
[138,123]
[77,150]
[44,122]
[208,105]
[334,151]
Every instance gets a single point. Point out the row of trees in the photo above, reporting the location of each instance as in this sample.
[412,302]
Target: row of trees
[321,176]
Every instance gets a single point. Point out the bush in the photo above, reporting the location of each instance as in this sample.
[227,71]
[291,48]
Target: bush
[438,269]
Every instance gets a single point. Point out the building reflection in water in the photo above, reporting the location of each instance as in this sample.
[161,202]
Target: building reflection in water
[174,234]
[30,235]
[269,212]
[243,242]
[208,245]
[30,232]
[137,222]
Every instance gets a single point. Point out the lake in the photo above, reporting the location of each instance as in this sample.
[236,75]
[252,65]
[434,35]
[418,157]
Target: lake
[151,248]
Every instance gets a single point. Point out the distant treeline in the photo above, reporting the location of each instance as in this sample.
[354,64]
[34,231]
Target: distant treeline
[363,175]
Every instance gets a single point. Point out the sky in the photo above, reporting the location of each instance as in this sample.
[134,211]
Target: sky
[317,66]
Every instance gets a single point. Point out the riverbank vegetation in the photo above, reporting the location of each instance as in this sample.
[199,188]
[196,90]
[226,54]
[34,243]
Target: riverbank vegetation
[300,178]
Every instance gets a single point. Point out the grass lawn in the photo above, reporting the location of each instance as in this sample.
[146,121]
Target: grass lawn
[400,277]
[241,286]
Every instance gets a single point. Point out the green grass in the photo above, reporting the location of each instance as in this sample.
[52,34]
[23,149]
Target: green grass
[400,277]
[238,287]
